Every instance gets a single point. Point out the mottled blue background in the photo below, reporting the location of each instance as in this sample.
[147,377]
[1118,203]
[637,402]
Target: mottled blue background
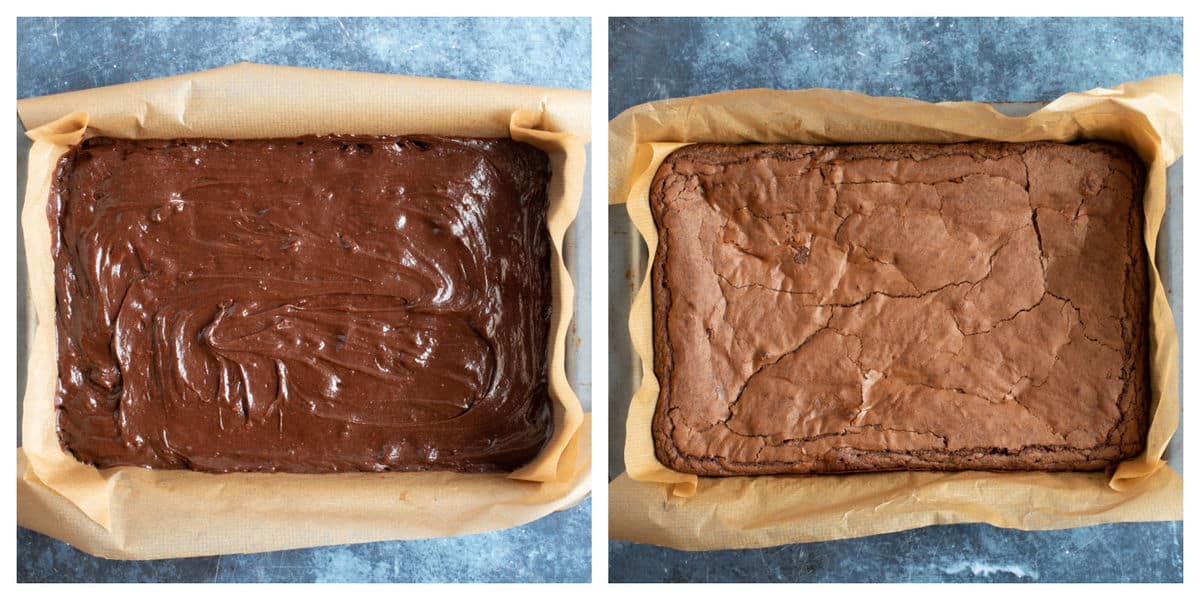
[555,548]
[985,59]
[58,55]
[989,60]
[1118,552]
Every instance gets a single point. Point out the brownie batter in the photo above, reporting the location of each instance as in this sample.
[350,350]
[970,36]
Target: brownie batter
[885,307]
[316,304]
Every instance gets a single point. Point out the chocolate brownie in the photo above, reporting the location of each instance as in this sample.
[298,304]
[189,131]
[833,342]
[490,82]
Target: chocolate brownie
[823,309]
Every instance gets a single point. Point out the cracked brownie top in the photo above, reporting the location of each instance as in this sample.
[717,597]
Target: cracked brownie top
[899,306]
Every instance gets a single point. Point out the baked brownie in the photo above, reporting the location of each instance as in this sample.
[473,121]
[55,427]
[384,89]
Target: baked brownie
[316,304]
[824,309]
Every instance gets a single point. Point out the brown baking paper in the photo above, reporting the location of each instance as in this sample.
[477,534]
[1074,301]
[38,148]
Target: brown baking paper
[653,504]
[140,513]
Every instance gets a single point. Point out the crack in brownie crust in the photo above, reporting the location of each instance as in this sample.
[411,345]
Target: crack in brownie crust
[824,309]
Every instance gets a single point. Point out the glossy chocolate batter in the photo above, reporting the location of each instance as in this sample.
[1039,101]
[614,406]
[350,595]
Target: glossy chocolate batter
[306,305]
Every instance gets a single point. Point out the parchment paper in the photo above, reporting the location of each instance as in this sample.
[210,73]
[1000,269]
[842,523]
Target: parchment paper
[140,513]
[653,504]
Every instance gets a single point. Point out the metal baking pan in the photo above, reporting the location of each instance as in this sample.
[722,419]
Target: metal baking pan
[627,256]
[576,257]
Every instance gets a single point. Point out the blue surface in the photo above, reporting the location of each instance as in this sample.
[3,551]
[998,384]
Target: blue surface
[988,60]
[58,55]
[555,548]
[1118,552]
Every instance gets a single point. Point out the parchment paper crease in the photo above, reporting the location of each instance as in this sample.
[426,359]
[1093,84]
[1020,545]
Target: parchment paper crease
[140,513]
[653,504]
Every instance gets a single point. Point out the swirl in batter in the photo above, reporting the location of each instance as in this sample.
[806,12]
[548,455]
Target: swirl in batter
[317,304]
